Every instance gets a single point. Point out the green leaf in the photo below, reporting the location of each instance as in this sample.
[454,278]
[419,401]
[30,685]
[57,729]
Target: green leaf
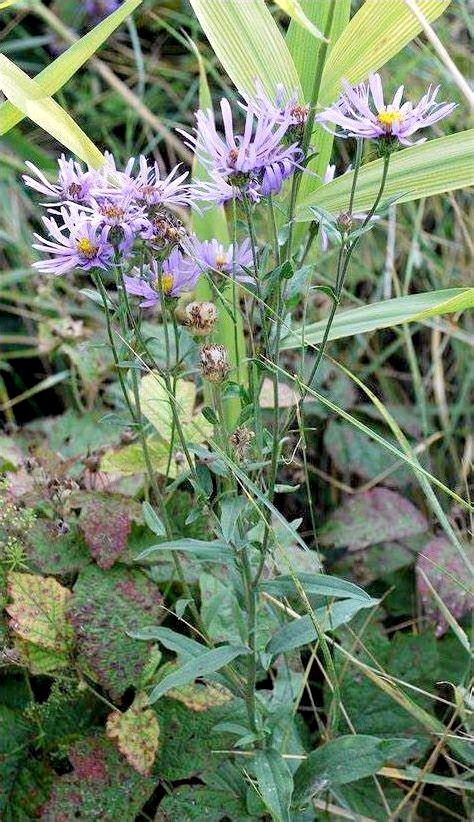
[275,783]
[156,404]
[152,520]
[315,584]
[301,631]
[386,314]
[203,666]
[57,73]
[178,643]
[376,33]
[214,550]
[343,760]
[436,166]
[28,96]
[248,43]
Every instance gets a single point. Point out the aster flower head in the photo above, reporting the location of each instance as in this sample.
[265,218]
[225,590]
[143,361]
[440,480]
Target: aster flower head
[361,111]
[151,190]
[73,184]
[176,275]
[256,159]
[283,108]
[79,243]
[121,217]
[213,255]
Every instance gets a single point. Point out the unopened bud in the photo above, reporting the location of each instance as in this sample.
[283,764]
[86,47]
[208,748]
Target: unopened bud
[214,362]
[344,222]
[241,441]
[200,318]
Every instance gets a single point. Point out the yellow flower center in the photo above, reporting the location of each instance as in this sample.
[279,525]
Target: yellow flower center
[388,118]
[166,282]
[221,260]
[86,248]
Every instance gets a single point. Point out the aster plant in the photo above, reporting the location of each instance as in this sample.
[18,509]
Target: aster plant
[204,312]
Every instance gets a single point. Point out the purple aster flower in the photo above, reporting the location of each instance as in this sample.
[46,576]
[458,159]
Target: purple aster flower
[257,155]
[284,108]
[219,190]
[74,184]
[177,274]
[212,254]
[98,9]
[78,243]
[121,217]
[361,112]
[149,188]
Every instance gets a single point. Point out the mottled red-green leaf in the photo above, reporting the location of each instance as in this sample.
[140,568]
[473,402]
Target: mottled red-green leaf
[102,786]
[30,792]
[106,605]
[136,733]
[446,570]
[106,524]
[52,552]
[192,803]
[372,517]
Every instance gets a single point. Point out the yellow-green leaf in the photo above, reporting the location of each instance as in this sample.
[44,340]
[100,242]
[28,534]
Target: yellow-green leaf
[248,43]
[386,314]
[377,32]
[157,406]
[38,611]
[129,460]
[444,164]
[136,732]
[27,95]
[57,73]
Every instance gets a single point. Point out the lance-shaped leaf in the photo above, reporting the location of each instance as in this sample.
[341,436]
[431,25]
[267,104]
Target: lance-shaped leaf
[136,732]
[275,783]
[28,96]
[57,73]
[386,314]
[444,164]
[248,43]
[203,666]
[294,10]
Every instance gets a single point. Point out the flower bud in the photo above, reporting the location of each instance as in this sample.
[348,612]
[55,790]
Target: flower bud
[214,362]
[241,441]
[200,318]
[344,222]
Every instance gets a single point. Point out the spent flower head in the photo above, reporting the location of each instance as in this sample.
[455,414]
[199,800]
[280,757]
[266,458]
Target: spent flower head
[361,111]
[214,362]
[200,318]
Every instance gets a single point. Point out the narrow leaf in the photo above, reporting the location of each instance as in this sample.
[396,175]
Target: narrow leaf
[314,585]
[57,73]
[293,9]
[436,166]
[152,520]
[206,664]
[275,783]
[386,314]
[29,97]
[179,643]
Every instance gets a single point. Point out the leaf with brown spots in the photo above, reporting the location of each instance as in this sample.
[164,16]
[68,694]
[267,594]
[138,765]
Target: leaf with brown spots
[38,611]
[446,571]
[372,517]
[106,524]
[136,732]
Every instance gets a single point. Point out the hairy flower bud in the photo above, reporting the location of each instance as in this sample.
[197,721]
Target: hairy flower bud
[214,362]
[200,318]
[241,441]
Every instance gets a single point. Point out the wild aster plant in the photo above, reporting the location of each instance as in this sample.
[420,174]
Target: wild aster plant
[361,112]
[74,184]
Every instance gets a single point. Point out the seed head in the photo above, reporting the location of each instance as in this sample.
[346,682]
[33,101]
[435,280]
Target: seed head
[200,318]
[214,362]
[241,441]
